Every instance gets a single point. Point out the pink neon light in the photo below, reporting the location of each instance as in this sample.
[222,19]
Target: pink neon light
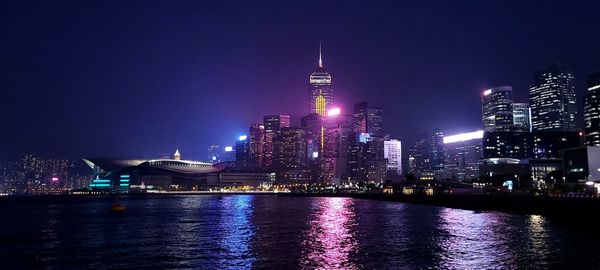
[54,179]
[334,112]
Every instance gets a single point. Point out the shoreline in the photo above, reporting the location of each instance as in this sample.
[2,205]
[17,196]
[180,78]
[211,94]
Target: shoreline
[518,204]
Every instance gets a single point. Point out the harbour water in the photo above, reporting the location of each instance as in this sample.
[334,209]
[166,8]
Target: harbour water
[281,232]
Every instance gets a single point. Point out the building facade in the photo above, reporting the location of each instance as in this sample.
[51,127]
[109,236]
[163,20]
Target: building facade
[521,116]
[552,100]
[392,152]
[272,126]
[463,153]
[496,108]
[591,110]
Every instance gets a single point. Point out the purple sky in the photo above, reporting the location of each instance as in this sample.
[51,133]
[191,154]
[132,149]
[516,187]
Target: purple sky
[116,79]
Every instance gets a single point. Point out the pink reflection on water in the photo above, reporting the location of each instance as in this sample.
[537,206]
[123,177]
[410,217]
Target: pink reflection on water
[474,240]
[329,240]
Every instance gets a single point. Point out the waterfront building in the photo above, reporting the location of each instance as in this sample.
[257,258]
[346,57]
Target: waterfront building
[321,92]
[582,164]
[496,108]
[463,153]
[419,158]
[436,155]
[272,125]
[521,116]
[142,174]
[552,100]
[392,152]
[214,154]
[591,110]
[177,155]
[529,145]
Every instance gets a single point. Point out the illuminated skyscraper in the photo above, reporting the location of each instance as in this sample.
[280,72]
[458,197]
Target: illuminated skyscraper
[272,124]
[552,100]
[289,148]
[368,119]
[521,116]
[257,145]
[321,93]
[496,109]
[393,154]
[463,155]
[591,110]
[437,153]
[242,149]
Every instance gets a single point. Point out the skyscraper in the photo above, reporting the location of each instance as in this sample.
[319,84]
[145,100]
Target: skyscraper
[242,150]
[463,155]
[552,99]
[419,158]
[289,148]
[392,151]
[368,119]
[321,93]
[496,108]
[272,125]
[314,137]
[256,145]
[437,153]
[591,110]
[521,116]
[335,153]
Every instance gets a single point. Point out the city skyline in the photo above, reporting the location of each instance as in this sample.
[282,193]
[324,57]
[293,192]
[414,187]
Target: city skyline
[145,100]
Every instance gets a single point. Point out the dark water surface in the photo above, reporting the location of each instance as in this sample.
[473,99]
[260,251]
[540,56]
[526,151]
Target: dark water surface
[280,232]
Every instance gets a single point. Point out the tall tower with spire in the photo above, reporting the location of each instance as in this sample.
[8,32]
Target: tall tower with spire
[321,93]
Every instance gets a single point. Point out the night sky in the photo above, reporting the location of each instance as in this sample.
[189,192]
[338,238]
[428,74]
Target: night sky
[124,79]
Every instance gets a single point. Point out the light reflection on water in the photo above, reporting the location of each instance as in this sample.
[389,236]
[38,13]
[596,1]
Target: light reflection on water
[280,232]
[330,238]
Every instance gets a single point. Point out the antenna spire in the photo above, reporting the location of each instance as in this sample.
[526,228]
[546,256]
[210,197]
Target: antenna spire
[320,59]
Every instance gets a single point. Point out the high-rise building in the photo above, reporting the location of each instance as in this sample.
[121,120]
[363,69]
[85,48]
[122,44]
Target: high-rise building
[321,92]
[214,155]
[591,110]
[289,148]
[552,100]
[256,145]
[436,155]
[334,165]
[228,154]
[496,108]
[242,149]
[368,119]
[177,155]
[314,135]
[419,156]
[463,155]
[392,152]
[521,116]
[272,124]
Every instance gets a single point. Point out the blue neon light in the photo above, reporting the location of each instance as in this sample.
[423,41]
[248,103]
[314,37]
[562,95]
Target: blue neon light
[100,185]
[101,181]
[125,176]
[124,185]
[124,180]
